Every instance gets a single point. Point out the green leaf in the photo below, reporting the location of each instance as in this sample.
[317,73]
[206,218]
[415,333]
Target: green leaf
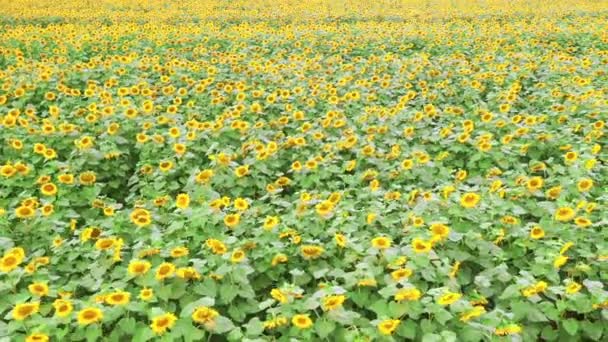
[511,291]
[442,316]
[397,309]
[183,327]
[427,326]
[520,309]
[593,330]
[571,326]
[3,329]
[549,333]
[235,335]
[266,304]
[93,332]
[324,327]
[228,292]
[222,325]
[535,315]
[431,338]
[127,325]
[142,333]
[470,334]
[449,336]
[343,317]
[380,307]
[164,292]
[361,298]
[407,329]
[255,327]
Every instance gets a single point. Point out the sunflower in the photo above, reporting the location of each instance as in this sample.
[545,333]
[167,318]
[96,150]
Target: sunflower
[47,209]
[182,201]
[271,222]
[17,251]
[8,171]
[179,252]
[237,256]
[564,214]
[301,321]
[324,208]
[9,262]
[333,302]
[90,233]
[421,246]
[204,176]
[165,166]
[232,220]
[534,183]
[410,294]
[63,307]
[141,217]
[573,288]
[469,200]
[89,315]
[566,247]
[146,294]
[440,230]
[160,324]
[179,149]
[539,287]
[118,298]
[241,171]
[24,212]
[341,240]
[537,233]
[461,175]
[554,192]
[449,298]
[204,315]
[275,322]
[374,185]
[335,197]
[582,222]
[511,329]
[401,273]
[165,270]
[560,261]
[473,313]
[108,211]
[39,148]
[584,184]
[87,178]
[407,164]
[188,273]
[160,201]
[509,220]
[241,204]
[38,289]
[23,311]
[388,327]
[57,241]
[570,157]
[37,337]
[105,243]
[216,246]
[311,251]
[279,259]
[381,242]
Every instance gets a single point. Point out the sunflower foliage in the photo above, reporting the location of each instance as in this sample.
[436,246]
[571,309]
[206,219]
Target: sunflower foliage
[303,170]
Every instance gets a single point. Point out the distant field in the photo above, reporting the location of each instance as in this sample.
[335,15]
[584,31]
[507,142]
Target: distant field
[303,170]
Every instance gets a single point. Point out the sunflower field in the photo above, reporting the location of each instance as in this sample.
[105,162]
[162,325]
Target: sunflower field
[283,170]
